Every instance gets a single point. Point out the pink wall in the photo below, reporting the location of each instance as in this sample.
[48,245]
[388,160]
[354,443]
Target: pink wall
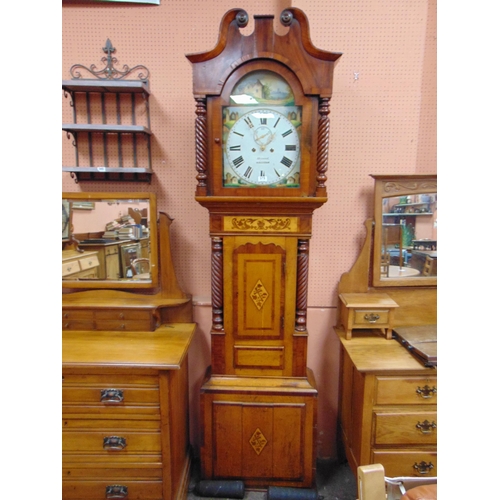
[383,121]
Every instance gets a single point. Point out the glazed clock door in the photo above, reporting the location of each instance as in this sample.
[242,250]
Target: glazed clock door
[260,129]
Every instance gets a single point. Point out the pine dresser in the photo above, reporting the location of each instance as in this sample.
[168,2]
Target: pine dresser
[125,413]
[388,406]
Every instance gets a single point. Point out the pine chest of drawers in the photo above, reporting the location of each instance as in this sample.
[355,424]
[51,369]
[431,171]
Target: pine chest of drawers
[388,406]
[125,431]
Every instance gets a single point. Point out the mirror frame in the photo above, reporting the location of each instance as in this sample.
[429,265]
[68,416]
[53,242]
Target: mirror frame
[388,186]
[153,243]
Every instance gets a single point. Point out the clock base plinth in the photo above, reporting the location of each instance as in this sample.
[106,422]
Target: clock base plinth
[260,430]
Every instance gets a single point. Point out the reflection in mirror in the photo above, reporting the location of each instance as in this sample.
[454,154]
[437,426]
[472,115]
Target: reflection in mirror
[109,239]
[405,242]
[409,236]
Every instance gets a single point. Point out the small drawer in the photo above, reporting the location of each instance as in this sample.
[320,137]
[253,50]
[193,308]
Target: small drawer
[122,314]
[72,314]
[410,428]
[406,390]
[370,317]
[111,250]
[77,325]
[102,490]
[409,463]
[111,441]
[89,262]
[124,325]
[70,268]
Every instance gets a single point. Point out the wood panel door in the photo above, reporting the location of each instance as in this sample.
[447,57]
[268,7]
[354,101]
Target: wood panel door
[259,304]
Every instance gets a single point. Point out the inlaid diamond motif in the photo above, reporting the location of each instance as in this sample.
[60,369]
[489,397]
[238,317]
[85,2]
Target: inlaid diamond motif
[259,295]
[258,441]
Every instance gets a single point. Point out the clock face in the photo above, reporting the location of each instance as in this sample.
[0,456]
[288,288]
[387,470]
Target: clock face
[262,146]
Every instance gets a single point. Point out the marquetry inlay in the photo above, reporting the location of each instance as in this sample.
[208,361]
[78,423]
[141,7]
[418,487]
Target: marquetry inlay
[258,441]
[259,295]
[261,224]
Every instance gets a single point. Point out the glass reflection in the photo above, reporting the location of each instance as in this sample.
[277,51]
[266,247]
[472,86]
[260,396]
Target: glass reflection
[409,236]
[116,232]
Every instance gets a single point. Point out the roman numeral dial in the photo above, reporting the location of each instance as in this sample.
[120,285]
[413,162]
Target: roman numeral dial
[262,146]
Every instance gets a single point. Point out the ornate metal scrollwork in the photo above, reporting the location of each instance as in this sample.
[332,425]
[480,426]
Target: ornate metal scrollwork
[116,491]
[111,396]
[426,427]
[423,467]
[426,392]
[114,443]
[109,72]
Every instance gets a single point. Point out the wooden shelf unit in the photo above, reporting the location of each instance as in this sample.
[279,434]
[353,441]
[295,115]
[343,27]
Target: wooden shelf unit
[96,134]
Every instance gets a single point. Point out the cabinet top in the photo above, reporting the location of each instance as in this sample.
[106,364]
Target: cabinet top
[163,349]
[372,353]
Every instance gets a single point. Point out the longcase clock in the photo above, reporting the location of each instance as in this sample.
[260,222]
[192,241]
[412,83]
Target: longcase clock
[262,131]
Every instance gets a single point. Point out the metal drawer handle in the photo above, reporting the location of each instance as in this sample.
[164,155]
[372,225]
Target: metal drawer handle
[114,443]
[372,317]
[426,392]
[116,491]
[426,427]
[111,396]
[423,467]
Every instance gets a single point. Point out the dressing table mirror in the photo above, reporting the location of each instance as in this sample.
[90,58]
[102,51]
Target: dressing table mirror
[405,230]
[109,240]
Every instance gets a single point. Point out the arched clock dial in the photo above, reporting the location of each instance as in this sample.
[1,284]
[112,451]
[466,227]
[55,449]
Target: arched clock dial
[262,149]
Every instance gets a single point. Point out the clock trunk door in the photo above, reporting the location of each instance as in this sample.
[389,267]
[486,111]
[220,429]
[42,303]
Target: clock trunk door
[260,300]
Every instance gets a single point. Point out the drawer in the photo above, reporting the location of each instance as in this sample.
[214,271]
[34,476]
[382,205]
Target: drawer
[123,471]
[399,428]
[124,320]
[77,325]
[418,463]
[111,250]
[116,426]
[110,390]
[406,390]
[107,380]
[110,395]
[70,268]
[73,314]
[370,317]
[122,314]
[130,490]
[89,262]
[124,325]
[121,442]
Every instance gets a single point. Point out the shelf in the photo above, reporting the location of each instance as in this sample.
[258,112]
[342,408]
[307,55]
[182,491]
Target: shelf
[106,128]
[105,86]
[407,215]
[411,204]
[131,174]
